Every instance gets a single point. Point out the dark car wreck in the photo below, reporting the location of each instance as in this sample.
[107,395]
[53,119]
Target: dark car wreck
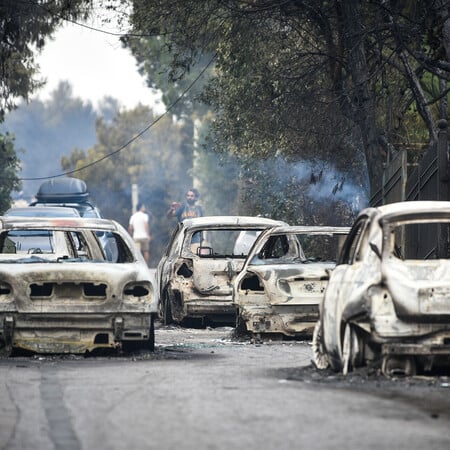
[387,303]
[62,292]
[195,275]
[284,278]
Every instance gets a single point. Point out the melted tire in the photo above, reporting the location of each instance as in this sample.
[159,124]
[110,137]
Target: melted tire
[352,349]
[320,357]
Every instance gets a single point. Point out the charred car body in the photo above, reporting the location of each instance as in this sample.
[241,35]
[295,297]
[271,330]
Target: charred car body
[284,278]
[60,292]
[196,273]
[388,299]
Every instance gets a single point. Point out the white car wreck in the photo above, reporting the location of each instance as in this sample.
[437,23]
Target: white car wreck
[283,280]
[195,275]
[387,303]
[72,285]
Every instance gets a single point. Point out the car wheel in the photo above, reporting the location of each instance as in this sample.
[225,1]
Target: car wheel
[167,310]
[352,349]
[320,357]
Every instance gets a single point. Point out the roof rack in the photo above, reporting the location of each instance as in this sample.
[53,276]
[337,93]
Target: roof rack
[67,190]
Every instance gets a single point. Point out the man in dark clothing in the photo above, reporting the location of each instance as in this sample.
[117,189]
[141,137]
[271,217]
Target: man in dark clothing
[187,210]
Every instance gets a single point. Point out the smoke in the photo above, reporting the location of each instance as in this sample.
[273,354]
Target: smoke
[328,182]
[320,181]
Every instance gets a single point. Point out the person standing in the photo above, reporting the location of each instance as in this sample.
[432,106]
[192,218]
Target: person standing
[187,210]
[139,229]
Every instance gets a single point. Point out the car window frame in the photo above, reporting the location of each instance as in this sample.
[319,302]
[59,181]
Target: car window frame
[351,250]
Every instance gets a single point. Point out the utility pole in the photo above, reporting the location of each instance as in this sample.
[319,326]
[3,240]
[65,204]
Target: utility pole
[134,197]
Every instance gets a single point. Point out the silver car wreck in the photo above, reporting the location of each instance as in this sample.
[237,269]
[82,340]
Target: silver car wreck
[72,285]
[283,280]
[196,273]
[387,303]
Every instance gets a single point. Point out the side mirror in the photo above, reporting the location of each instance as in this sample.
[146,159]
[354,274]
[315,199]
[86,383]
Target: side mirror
[204,251]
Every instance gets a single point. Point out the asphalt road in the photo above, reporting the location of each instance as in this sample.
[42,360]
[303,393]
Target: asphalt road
[203,389]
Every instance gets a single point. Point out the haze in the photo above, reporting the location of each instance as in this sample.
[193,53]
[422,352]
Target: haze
[96,65]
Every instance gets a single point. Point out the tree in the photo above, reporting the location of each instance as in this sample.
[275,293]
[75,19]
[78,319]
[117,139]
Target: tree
[9,165]
[303,79]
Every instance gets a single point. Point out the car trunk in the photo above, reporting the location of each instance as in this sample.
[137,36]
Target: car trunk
[420,289]
[213,277]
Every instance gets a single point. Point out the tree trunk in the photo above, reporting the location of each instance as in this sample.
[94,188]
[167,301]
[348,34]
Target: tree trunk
[361,101]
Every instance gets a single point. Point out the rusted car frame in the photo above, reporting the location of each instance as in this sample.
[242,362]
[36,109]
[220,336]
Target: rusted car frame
[282,282]
[195,280]
[71,285]
[387,303]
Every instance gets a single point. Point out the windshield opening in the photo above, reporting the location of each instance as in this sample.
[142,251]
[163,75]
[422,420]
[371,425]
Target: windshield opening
[222,243]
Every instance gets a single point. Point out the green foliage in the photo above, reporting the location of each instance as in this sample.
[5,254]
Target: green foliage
[265,109]
[9,166]
[339,84]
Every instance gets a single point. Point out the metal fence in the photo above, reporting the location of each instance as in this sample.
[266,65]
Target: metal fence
[428,180]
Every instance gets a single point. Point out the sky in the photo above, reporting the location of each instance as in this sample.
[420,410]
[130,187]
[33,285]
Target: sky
[95,64]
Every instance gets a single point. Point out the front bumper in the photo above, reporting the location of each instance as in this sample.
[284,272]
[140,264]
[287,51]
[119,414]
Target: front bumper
[219,311]
[299,322]
[437,344]
[72,333]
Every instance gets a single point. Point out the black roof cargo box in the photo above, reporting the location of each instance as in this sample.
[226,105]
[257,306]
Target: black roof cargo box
[67,190]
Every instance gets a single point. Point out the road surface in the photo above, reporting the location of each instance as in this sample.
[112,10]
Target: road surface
[204,389]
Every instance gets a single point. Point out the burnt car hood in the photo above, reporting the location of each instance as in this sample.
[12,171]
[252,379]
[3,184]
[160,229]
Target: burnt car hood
[419,288]
[287,282]
[68,286]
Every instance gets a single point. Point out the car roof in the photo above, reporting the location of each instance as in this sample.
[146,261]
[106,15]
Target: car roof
[11,223]
[42,211]
[82,208]
[395,210]
[212,221]
[306,229]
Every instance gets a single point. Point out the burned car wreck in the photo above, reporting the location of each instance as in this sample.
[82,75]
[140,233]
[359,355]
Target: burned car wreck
[63,291]
[195,275]
[387,303]
[283,280]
